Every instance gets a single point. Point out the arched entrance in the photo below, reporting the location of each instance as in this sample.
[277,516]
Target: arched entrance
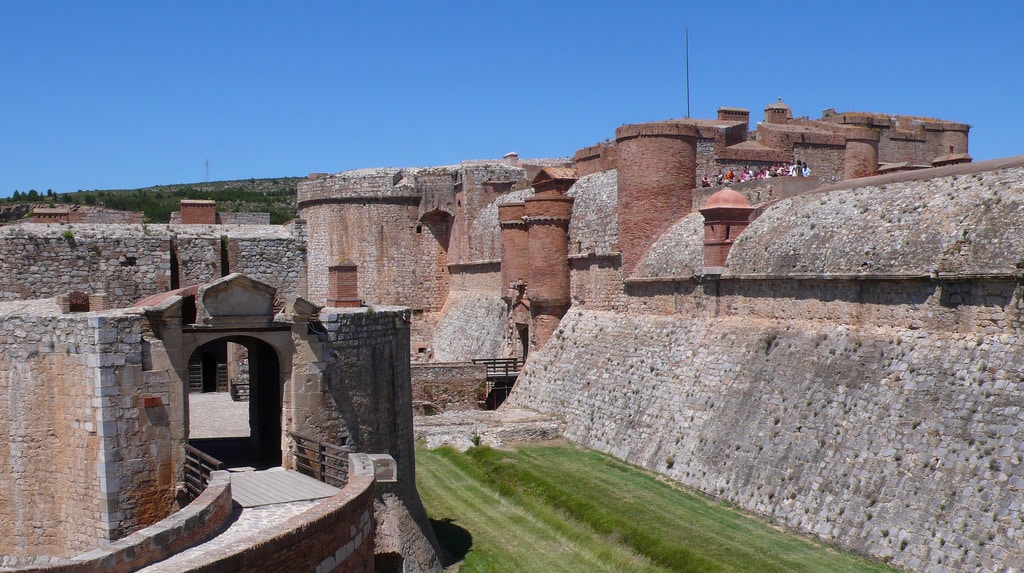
[236,416]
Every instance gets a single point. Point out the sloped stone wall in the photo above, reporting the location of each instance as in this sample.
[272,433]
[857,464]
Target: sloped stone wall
[887,423]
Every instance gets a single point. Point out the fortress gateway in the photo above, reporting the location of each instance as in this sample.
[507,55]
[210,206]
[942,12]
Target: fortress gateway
[839,352]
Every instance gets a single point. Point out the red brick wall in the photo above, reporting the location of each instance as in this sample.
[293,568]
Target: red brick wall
[514,266]
[657,173]
[198,213]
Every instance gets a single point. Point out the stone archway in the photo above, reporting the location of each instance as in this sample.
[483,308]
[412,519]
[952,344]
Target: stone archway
[240,428]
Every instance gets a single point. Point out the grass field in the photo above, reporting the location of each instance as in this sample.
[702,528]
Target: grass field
[556,508]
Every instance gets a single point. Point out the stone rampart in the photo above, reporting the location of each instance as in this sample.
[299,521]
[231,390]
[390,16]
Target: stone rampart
[40,261]
[471,326]
[885,436]
[853,373]
[594,227]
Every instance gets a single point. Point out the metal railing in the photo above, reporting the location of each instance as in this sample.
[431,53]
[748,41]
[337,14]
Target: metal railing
[321,460]
[198,466]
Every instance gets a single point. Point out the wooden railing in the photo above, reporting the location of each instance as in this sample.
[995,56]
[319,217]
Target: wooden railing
[501,377]
[321,460]
[500,368]
[198,466]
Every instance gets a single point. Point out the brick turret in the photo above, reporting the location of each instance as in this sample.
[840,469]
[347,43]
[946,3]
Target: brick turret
[726,215]
[657,174]
[514,264]
[861,156]
[547,284]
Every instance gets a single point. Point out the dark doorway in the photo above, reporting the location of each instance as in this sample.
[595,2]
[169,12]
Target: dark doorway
[241,432]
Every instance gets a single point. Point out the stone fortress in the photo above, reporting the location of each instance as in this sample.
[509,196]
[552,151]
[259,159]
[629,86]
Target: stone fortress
[836,352]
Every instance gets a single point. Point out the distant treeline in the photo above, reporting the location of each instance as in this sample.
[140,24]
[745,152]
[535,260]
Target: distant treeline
[274,196]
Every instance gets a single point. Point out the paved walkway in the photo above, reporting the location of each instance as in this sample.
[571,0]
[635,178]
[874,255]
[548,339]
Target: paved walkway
[216,415]
[250,526]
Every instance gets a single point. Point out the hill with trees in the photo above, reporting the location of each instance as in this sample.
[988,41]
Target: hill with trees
[275,196]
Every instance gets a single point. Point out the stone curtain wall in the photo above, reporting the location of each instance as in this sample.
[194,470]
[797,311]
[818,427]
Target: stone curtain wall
[41,261]
[198,258]
[397,264]
[966,223]
[437,387]
[85,460]
[472,325]
[594,226]
[131,262]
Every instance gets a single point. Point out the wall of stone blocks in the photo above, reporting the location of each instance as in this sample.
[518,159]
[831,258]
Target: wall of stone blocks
[198,259]
[594,227]
[880,416]
[825,161]
[41,261]
[441,386]
[276,261]
[471,326]
[244,218]
[131,262]
[86,461]
[359,393]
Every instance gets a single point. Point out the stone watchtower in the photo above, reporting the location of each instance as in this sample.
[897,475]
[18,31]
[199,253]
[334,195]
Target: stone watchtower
[657,165]
[547,216]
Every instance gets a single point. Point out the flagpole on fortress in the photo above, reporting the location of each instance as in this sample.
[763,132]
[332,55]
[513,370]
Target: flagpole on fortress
[687,28]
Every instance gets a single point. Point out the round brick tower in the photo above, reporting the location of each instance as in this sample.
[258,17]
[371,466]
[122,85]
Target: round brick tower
[657,175]
[861,156]
[547,282]
[514,262]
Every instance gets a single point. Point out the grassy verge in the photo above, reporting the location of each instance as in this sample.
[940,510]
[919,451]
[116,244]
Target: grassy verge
[556,508]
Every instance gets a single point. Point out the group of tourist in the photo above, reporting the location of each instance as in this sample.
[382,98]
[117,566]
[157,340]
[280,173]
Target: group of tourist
[798,169]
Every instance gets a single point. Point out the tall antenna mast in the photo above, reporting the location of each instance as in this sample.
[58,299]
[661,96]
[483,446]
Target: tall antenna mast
[687,72]
[208,169]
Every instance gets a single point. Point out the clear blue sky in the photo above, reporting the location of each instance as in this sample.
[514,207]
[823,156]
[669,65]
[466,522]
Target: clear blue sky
[104,95]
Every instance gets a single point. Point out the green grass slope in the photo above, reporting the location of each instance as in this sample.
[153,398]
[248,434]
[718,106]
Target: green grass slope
[557,508]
